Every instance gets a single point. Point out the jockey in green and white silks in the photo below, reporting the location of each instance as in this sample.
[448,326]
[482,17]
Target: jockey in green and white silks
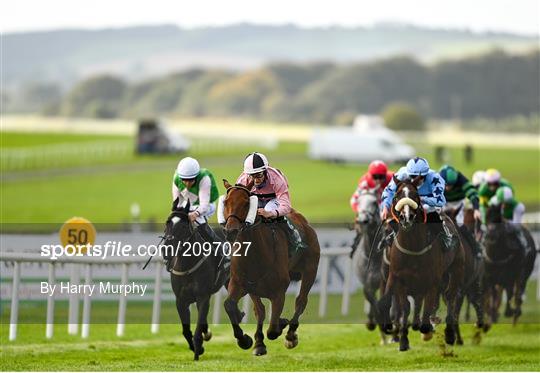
[196,184]
[457,191]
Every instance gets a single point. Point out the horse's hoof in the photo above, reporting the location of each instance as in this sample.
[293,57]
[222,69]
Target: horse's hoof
[259,350]
[245,342]
[387,328]
[291,343]
[404,347]
[426,328]
[196,358]
[370,326]
[435,320]
[415,326]
[207,336]
[508,313]
[486,327]
[272,334]
[449,338]
[395,339]
[459,342]
[427,336]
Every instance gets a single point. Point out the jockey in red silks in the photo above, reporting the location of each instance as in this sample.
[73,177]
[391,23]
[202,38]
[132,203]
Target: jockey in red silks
[377,177]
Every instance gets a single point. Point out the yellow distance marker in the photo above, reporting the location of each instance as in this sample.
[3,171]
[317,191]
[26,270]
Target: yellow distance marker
[76,234]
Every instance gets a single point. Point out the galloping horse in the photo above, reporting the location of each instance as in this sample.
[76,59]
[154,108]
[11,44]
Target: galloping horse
[368,268]
[474,272]
[419,267]
[193,276]
[509,263]
[265,270]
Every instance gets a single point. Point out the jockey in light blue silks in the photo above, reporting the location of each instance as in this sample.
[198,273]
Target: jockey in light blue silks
[431,192]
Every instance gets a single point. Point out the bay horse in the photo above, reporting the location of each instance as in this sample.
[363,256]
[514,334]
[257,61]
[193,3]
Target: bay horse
[419,267]
[473,275]
[193,276]
[509,263]
[368,267]
[265,270]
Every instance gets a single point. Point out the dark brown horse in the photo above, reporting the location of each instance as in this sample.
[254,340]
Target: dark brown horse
[265,270]
[509,262]
[474,272]
[420,268]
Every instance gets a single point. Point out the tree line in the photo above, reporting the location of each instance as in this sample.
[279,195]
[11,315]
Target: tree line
[494,85]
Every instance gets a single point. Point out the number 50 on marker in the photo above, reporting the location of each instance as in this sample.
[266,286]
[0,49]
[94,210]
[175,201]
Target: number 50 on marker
[78,233]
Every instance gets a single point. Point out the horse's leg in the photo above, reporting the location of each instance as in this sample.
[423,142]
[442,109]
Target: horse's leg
[369,294]
[183,311]
[518,294]
[497,300]
[475,299]
[459,304]
[308,278]
[452,320]
[244,341]
[430,305]
[403,316]
[508,310]
[383,306]
[277,324]
[417,308]
[258,307]
[203,305]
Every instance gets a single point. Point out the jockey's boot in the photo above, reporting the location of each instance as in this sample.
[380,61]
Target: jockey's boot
[469,237]
[222,262]
[440,230]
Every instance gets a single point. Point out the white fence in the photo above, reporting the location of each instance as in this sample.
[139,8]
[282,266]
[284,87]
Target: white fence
[124,262]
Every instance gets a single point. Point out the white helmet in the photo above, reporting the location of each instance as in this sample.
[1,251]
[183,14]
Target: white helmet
[188,168]
[479,177]
[254,163]
[493,176]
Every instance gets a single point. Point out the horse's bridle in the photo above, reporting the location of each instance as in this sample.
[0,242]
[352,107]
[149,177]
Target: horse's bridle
[240,220]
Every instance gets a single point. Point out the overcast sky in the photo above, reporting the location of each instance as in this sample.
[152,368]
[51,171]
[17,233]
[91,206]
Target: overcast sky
[517,16]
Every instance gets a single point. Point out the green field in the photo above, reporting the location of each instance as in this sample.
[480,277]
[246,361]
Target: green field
[103,191]
[333,343]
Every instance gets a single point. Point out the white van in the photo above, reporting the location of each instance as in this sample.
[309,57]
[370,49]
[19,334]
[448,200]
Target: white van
[366,140]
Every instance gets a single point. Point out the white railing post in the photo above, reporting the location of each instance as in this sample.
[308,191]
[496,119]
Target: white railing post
[346,286]
[85,329]
[156,309]
[323,296]
[14,315]
[122,303]
[50,303]
[73,313]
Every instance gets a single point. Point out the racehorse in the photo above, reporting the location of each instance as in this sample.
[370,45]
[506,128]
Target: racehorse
[474,272]
[265,270]
[193,275]
[509,263]
[368,267]
[419,267]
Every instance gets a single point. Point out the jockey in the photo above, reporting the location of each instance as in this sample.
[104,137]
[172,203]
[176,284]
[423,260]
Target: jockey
[269,185]
[457,189]
[196,184]
[478,178]
[488,189]
[431,192]
[377,177]
[512,209]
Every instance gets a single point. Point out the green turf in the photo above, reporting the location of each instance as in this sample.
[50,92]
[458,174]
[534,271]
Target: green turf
[335,343]
[103,193]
